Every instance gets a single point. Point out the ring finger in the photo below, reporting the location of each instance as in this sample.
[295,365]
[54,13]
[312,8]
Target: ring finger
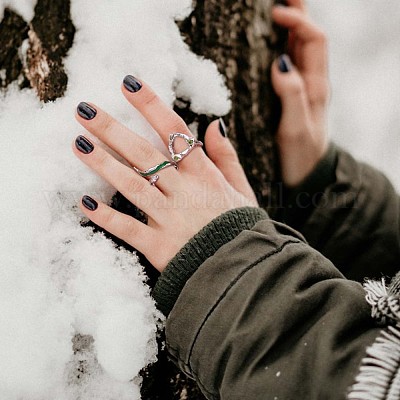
[122,178]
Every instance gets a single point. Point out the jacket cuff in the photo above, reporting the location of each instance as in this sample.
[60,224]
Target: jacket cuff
[301,201]
[203,245]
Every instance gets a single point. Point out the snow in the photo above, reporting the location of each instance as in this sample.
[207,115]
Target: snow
[57,278]
[23,7]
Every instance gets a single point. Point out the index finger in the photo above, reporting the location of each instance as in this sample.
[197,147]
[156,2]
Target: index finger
[314,58]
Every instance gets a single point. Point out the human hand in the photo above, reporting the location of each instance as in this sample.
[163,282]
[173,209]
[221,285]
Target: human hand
[183,201]
[303,88]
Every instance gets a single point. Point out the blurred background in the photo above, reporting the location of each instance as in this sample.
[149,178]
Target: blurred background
[364,50]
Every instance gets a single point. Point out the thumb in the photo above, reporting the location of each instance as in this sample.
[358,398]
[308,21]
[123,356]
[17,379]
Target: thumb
[224,156]
[290,87]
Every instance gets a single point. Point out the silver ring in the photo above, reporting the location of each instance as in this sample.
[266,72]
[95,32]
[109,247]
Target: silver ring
[151,173]
[190,141]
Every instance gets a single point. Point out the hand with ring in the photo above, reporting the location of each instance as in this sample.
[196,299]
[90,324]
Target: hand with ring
[180,193]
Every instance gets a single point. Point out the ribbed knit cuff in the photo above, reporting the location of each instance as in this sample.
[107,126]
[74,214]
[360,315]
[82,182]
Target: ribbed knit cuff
[203,245]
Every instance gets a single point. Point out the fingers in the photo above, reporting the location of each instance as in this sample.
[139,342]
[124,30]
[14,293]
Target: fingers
[289,86]
[122,178]
[224,156]
[314,60]
[121,225]
[161,117]
[136,150]
[301,136]
[131,231]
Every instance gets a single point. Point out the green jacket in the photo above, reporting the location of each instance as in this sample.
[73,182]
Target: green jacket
[257,310]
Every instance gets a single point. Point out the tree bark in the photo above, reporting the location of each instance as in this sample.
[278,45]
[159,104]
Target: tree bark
[239,37]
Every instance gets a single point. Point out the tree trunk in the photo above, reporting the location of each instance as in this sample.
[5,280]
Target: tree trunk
[239,37]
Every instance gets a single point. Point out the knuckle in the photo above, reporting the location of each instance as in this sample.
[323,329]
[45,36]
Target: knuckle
[108,123]
[145,149]
[229,153]
[177,124]
[130,227]
[150,98]
[108,218]
[136,184]
[296,87]
[102,160]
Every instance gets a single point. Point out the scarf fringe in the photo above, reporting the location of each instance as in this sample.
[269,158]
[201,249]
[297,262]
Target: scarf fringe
[379,374]
[385,305]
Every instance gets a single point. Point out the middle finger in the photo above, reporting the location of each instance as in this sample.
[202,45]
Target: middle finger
[162,118]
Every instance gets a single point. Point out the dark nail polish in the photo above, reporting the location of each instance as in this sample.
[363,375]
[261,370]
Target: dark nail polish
[132,84]
[86,111]
[285,65]
[222,128]
[89,203]
[83,145]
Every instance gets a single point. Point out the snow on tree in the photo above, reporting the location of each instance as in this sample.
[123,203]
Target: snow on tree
[77,319]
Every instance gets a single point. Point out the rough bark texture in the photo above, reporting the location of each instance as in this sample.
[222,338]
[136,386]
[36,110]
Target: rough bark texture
[32,52]
[239,37]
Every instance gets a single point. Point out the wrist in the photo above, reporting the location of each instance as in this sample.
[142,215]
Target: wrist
[202,246]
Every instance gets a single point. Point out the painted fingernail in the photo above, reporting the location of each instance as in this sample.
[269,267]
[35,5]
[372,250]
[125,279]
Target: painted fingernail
[86,111]
[83,145]
[284,63]
[132,84]
[89,203]
[222,128]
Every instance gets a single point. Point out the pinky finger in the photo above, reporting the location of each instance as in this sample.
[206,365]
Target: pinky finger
[118,224]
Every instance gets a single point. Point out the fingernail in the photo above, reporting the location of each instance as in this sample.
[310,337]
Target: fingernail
[86,111]
[222,128]
[89,203]
[285,65]
[132,84]
[83,145]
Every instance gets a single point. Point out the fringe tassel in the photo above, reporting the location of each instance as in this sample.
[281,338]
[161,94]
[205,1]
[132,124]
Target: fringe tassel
[379,377]
[385,305]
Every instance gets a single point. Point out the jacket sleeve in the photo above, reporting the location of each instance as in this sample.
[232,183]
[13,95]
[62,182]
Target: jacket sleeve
[268,317]
[349,212]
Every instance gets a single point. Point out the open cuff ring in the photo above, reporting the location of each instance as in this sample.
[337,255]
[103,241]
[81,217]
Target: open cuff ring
[151,173]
